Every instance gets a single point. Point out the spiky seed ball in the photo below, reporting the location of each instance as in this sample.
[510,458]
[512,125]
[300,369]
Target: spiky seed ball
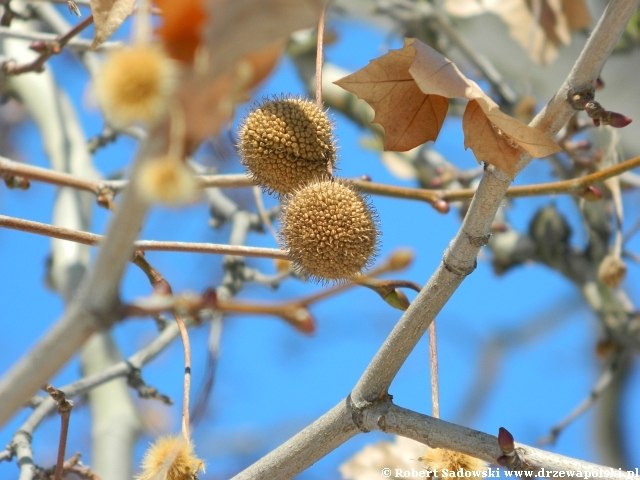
[167,180]
[171,458]
[134,85]
[330,230]
[286,143]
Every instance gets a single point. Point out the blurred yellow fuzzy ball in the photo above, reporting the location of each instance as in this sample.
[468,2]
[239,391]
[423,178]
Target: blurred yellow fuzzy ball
[167,180]
[134,84]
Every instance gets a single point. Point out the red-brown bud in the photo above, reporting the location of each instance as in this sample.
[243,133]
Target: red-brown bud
[300,318]
[506,441]
[209,298]
[39,46]
[162,287]
[617,120]
[590,193]
[441,206]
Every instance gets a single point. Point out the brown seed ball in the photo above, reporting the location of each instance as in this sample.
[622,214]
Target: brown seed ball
[330,230]
[286,143]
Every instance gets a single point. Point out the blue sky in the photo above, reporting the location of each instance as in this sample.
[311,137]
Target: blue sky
[271,381]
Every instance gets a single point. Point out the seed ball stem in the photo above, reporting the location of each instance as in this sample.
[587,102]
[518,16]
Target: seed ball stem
[330,230]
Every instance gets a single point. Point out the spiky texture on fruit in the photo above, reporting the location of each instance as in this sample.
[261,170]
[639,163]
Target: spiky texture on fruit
[171,458]
[330,230]
[286,143]
[134,84]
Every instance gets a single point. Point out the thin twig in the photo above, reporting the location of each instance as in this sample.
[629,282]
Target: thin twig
[73,43]
[93,239]
[51,48]
[46,175]
[320,59]
[184,335]
[433,365]
[572,186]
[64,409]
[21,442]
[319,62]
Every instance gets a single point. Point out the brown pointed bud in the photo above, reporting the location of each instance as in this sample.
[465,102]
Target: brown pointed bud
[300,318]
[105,199]
[506,441]
[617,120]
[441,206]
[400,259]
[599,84]
[605,347]
[596,122]
[209,298]
[397,299]
[498,227]
[162,287]
[590,194]
[39,46]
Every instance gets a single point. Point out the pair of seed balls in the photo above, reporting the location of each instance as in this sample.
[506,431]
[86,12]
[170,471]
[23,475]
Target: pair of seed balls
[329,229]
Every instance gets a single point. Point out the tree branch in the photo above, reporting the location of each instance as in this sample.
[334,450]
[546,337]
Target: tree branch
[459,260]
[88,238]
[94,307]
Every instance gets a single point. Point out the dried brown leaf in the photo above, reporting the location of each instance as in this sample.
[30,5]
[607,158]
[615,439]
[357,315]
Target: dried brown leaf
[242,42]
[436,74]
[108,15]
[409,116]
[532,141]
[577,14]
[400,85]
[499,139]
[238,27]
[208,104]
[487,142]
[550,17]
[181,28]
